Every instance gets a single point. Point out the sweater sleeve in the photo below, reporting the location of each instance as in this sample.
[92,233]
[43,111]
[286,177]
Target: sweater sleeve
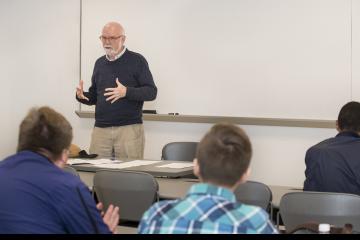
[91,94]
[147,90]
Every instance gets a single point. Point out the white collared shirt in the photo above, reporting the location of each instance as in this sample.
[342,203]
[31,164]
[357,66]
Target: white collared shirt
[117,56]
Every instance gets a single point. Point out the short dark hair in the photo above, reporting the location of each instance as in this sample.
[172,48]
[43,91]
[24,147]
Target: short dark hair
[44,128]
[349,117]
[224,154]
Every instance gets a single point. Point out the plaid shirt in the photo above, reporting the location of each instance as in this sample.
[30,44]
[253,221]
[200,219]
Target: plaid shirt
[205,209]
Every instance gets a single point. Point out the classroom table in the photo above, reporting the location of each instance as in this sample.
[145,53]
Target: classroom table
[173,188]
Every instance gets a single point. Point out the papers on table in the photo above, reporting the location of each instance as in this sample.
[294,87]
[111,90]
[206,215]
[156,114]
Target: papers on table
[134,163]
[117,164]
[177,165]
[75,161]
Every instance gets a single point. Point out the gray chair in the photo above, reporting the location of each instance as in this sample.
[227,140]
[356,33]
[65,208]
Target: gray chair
[132,192]
[71,170]
[254,193]
[334,208]
[179,151]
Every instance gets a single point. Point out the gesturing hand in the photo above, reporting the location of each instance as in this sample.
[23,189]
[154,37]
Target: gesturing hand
[111,217]
[115,93]
[80,91]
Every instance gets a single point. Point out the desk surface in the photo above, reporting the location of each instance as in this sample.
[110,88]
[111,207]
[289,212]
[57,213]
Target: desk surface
[152,169]
[170,188]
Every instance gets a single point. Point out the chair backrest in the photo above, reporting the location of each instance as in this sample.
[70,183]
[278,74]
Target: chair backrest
[254,193]
[334,208]
[132,192]
[180,151]
[71,170]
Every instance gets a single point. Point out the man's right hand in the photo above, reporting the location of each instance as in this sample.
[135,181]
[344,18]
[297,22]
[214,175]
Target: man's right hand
[80,91]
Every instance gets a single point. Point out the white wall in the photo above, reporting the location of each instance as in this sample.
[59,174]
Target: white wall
[247,58]
[39,64]
[278,151]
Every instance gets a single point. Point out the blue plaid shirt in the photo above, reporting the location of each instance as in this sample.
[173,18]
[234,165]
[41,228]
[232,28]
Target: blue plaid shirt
[205,209]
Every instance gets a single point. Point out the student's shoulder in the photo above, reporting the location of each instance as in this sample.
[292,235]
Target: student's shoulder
[162,206]
[320,146]
[256,216]
[65,181]
[245,210]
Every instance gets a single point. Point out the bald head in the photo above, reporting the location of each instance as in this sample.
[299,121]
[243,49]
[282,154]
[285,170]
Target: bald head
[114,27]
[113,38]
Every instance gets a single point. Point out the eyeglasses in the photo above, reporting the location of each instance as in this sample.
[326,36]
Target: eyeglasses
[111,39]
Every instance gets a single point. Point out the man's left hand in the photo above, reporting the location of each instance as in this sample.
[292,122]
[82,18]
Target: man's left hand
[115,93]
[110,217]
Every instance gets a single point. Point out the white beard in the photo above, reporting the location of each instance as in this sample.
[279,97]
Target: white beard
[110,52]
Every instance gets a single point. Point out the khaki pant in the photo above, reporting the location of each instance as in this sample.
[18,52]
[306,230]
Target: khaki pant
[126,141]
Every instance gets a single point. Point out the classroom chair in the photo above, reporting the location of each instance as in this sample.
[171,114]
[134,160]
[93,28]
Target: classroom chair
[321,207]
[179,151]
[254,193]
[133,192]
[71,170]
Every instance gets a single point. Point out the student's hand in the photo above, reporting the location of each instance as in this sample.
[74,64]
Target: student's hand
[80,91]
[111,217]
[100,207]
[115,93]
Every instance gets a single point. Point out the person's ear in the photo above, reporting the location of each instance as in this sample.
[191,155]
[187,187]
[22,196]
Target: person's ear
[246,175]
[337,126]
[65,156]
[62,159]
[196,168]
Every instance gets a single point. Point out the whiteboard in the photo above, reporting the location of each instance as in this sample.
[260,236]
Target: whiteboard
[244,58]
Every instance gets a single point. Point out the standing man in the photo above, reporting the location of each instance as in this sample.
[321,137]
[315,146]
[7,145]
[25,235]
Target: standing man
[120,84]
[333,165]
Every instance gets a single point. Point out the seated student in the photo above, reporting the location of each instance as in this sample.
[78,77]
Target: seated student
[37,196]
[222,163]
[333,165]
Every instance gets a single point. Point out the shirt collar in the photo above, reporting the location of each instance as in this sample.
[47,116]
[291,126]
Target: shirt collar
[348,134]
[208,189]
[117,56]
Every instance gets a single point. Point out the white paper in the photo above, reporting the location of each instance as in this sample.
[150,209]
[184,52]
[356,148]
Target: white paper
[94,161]
[76,161]
[102,161]
[177,165]
[134,163]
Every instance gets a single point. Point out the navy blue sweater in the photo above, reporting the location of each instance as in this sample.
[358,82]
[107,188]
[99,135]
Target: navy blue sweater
[133,72]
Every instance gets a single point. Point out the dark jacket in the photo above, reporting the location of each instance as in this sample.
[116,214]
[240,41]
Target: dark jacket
[333,165]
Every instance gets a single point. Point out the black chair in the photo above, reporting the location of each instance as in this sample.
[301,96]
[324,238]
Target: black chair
[179,151]
[132,192]
[337,209]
